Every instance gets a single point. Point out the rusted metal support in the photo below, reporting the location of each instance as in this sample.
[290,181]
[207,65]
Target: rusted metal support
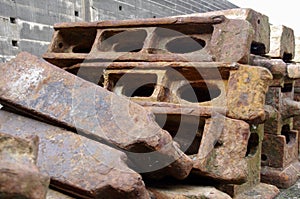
[19,175]
[279,151]
[239,91]
[77,165]
[184,39]
[253,162]
[54,95]
[222,152]
[260,23]
[282,43]
[281,177]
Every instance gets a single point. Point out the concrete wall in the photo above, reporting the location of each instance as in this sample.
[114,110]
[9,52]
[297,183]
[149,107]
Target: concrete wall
[26,25]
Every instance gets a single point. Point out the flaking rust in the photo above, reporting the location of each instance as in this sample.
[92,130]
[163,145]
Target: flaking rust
[223,149]
[38,88]
[19,175]
[78,166]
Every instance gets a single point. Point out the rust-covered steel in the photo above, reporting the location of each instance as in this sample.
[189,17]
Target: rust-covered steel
[236,90]
[77,165]
[262,190]
[186,192]
[223,149]
[184,39]
[282,42]
[19,175]
[282,178]
[253,159]
[42,90]
[279,151]
[245,102]
[259,22]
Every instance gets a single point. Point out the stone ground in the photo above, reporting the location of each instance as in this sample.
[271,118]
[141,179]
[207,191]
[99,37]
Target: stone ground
[290,193]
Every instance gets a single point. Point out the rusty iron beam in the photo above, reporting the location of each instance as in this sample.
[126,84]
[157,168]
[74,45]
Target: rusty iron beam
[19,175]
[77,165]
[155,44]
[36,87]
[238,93]
[259,22]
[142,22]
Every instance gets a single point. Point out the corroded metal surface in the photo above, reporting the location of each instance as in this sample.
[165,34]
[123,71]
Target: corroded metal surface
[19,175]
[259,22]
[54,95]
[277,67]
[244,102]
[282,42]
[253,158]
[186,192]
[262,190]
[204,39]
[280,150]
[239,91]
[281,177]
[77,165]
[223,149]
[51,194]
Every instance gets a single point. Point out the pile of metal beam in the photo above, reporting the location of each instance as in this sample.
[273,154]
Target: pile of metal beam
[195,106]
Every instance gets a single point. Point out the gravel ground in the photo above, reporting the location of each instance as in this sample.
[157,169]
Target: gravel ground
[290,193]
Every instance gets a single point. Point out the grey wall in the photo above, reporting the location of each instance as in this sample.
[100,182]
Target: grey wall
[26,25]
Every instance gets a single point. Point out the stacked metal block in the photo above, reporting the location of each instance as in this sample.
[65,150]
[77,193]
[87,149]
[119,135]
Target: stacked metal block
[280,164]
[221,86]
[194,73]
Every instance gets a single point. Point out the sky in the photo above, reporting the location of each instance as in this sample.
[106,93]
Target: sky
[286,12]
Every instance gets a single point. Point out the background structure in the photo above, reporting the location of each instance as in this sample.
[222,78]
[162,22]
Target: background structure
[27,25]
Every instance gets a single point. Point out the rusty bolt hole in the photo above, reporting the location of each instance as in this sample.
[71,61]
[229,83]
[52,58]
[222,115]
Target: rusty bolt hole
[60,45]
[264,157]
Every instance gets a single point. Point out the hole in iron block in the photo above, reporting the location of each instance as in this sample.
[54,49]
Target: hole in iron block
[218,144]
[290,138]
[287,88]
[287,57]
[123,41]
[76,13]
[186,130]
[133,84]
[120,8]
[264,157]
[258,48]
[77,40]
[185,45]
[252,146]
[199,92]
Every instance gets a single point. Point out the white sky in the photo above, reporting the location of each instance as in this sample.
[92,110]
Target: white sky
[280,12]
